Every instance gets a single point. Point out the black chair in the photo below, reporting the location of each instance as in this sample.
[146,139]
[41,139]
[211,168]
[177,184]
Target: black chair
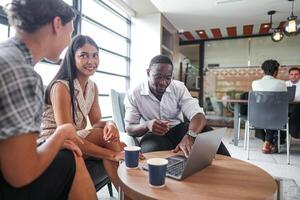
[98,175]
[243,115]
[268,110]
[291,90]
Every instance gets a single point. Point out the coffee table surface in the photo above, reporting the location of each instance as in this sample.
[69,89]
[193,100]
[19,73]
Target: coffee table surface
[226,178]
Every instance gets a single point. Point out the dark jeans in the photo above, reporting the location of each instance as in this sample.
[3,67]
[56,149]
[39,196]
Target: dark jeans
[151,142]
[270,135]
[54,184]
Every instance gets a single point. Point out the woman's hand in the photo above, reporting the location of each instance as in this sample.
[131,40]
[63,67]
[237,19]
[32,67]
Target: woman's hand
[119,156]
[69,132]
[110,132]
[71,138]
[68,144]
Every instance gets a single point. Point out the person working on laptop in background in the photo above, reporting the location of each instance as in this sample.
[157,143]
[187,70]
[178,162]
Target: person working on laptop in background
[294,109]
[27,170]
[155,108]
[271,84]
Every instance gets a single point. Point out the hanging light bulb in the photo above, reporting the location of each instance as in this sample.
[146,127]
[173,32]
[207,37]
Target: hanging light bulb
[277,35]
[291,28]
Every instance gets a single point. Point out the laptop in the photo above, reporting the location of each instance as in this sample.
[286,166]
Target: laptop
[291,90]
[203,151]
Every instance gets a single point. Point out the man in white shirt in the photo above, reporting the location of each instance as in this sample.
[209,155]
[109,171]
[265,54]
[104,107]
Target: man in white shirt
[294,75]
[155,109]
[294,109]
[271,84]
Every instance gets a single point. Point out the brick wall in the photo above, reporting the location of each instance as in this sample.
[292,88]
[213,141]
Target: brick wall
[235,80]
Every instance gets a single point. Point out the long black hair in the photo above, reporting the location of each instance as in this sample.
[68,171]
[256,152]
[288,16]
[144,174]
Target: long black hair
[68,70]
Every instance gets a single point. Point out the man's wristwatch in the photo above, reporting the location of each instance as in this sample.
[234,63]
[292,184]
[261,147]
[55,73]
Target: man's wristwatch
[192,133]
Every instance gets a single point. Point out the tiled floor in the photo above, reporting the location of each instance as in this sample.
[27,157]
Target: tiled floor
[274,164]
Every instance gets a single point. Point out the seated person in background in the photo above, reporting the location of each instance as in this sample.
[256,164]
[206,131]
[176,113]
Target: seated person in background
[71,97]
[27,170]
[294,76]
[294,109]
[269,83]
[155,108]
[225,98]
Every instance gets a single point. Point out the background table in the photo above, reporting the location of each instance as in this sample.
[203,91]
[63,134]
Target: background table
[226,178]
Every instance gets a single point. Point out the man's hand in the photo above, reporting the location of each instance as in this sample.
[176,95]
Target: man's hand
[158,127]
[185,145]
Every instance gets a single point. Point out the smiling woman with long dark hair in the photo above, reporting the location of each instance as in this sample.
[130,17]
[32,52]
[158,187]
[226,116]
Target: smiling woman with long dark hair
[72,97]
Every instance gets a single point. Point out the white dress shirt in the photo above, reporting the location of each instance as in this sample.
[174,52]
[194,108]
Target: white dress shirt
[141,105]
[297,93]
[269,83]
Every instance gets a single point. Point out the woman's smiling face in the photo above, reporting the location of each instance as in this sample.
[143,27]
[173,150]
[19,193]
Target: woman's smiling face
[87,60]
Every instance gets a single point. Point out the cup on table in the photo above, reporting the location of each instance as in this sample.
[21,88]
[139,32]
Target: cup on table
[157,168]
[132,156]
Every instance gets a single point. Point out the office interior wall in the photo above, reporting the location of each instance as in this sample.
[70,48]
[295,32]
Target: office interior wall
[145,43]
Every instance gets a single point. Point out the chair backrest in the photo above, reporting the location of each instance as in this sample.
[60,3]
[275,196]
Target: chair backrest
[268,110]
[118,108]
[291,90]
[244,107]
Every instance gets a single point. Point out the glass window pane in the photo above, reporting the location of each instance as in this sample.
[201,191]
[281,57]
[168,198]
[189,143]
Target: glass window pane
[3,32]
[4,2]
[105,39]
[47,71]
[12,31]
[116,8]
[105,106]
[112,63]
[104,16]
[70,2]
[106,82]
[63,53]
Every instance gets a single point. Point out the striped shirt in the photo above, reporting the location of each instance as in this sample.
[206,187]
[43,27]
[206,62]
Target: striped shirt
[21,91]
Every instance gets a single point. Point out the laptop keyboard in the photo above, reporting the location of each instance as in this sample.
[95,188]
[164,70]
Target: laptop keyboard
[176,169]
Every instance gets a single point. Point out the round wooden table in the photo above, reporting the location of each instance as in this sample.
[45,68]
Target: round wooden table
[226,178]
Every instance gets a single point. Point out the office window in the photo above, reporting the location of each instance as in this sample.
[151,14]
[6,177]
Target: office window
[3,32]
[104,38]
[109,26]
[3,3]
[100,13]
[70,2]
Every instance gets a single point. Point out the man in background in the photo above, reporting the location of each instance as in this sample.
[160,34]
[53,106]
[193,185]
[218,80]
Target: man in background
[271,84]
[294,109]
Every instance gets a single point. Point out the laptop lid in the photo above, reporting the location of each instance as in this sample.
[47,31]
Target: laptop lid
[203,151]
[291,90]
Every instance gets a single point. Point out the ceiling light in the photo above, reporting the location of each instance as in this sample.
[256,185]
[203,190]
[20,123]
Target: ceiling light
[277,35]
[276,32]
[292,27]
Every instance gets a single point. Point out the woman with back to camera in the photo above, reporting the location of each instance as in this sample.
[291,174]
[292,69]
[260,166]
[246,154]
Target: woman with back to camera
[27,171]
[71,97]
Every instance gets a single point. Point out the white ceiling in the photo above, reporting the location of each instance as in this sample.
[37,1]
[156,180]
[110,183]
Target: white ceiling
[190,15]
